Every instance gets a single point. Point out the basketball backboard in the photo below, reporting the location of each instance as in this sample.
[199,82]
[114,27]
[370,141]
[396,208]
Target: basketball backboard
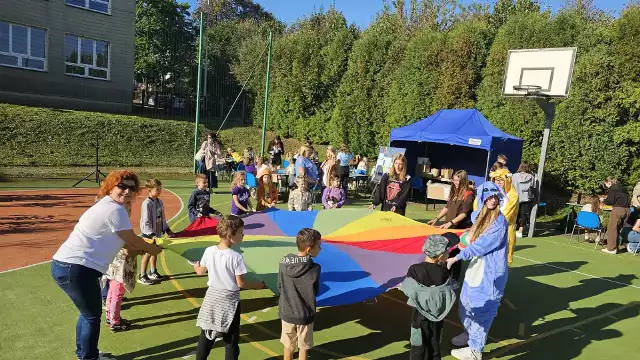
[539,72]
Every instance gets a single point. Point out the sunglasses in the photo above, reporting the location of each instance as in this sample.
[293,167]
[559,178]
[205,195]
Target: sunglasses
[124,187]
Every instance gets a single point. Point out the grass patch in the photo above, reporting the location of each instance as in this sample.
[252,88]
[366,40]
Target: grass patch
[34,137]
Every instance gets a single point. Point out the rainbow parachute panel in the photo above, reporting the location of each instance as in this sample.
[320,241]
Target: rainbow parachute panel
[364,253]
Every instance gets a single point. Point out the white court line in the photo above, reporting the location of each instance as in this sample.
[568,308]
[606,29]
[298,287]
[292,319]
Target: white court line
[48,261]
[24,267]
[181,205]
[578,272]
[589,250]
[228,202]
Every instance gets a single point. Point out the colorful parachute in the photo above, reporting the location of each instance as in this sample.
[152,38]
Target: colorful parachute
[364,253]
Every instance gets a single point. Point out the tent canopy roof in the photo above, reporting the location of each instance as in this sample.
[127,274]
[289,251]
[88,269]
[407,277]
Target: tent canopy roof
[463,127]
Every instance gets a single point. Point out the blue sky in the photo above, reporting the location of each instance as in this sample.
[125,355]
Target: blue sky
[362,12]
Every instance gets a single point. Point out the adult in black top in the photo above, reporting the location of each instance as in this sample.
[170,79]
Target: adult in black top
[618,198]
[276,149]
[394,187]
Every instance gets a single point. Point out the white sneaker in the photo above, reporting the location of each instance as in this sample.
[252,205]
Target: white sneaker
[466,354]
[102,356]
[612,252]
[461,340]
[518,234]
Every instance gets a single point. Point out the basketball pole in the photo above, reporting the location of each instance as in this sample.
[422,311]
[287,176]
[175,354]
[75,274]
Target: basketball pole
[549,109]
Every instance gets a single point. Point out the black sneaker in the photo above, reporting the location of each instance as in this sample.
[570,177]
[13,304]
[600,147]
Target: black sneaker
[144,280]
[123,325]
[155,276]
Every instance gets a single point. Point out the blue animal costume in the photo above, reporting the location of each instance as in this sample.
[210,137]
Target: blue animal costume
[486,276]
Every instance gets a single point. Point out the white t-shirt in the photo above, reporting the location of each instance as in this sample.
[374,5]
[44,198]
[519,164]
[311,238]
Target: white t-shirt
[94,242]
[222,267]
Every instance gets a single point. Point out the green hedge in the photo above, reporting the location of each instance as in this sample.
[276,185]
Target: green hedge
[33,136]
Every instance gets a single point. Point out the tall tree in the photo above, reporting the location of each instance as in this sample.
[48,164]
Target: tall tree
[165,40]
[360,111]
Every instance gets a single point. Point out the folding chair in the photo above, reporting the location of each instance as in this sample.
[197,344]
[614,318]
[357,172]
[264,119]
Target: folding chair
[588,221]
[418,184]
[317,188]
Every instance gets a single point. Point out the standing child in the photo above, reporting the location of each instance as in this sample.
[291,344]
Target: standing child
[219,315]
[298,283]
[300,199]
[241,203]
[121,277]
[153,224]
[249,166]
[267,192]
[333,197]
[199,201]
[431,294]
[291,171]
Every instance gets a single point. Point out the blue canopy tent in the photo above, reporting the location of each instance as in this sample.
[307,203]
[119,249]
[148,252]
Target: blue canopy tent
[458,139]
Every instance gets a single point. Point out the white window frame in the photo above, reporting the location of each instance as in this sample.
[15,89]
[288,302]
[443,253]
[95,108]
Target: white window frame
[86,6]
[28,56]
[95,59]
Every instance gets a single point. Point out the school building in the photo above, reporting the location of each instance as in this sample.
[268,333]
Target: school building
[71,54]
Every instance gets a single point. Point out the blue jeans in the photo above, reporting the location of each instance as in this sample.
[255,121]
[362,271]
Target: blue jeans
[82,285]
[634,241]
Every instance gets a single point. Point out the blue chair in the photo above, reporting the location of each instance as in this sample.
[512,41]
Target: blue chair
[418,184]
[588,221]
[252,183]
[543,204]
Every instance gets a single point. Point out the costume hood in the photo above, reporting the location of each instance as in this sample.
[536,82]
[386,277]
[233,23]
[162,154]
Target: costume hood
[502,174]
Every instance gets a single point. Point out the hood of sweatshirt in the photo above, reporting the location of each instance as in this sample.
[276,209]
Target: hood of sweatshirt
[522,178]
[295,266]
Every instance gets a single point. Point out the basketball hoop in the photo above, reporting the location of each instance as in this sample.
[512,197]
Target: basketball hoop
[528,90]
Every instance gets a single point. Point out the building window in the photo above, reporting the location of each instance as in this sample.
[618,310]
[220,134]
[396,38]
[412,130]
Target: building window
[101,6]
[22,46]
[86,57]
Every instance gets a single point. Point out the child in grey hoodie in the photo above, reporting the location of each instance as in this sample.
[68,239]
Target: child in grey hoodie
[430,291]
[299,283]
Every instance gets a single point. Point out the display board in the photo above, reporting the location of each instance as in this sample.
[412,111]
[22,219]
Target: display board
[384,162]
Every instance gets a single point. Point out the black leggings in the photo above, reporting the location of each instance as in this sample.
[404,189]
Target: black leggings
[231,338]
[428,347]
[343,171]
[524,212]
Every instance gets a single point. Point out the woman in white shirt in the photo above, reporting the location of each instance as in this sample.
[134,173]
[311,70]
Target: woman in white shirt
[86,254]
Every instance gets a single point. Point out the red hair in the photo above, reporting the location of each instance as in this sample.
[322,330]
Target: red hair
[116,177]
